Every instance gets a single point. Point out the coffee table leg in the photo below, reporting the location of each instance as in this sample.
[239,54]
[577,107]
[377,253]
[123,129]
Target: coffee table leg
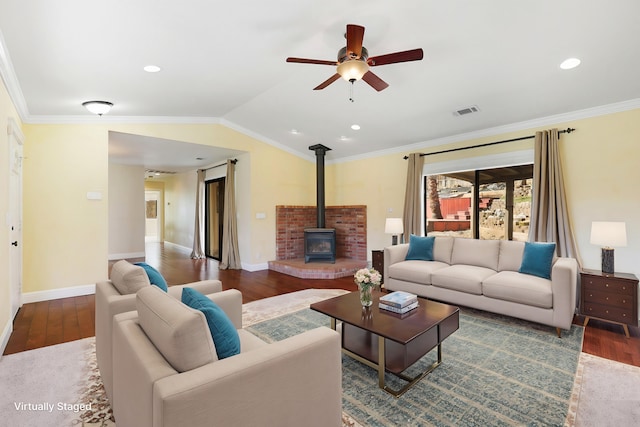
[381,363]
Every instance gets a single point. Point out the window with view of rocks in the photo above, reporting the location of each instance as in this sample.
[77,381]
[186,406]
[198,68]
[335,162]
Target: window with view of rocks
[500,209]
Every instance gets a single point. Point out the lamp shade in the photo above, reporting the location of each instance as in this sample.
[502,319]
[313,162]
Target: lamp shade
[394,226]
[608,234]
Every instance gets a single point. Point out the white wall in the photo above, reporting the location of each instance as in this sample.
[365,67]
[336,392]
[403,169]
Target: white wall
[126,211]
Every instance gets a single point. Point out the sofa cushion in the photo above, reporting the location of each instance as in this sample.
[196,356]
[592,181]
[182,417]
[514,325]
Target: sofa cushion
[442,248]
[154,276]
[460,277]
[480,253]
[420,248]
[415,271]
[520,288]
[128,278]
[537,259]
[224,333]
[510,255]
[179,332]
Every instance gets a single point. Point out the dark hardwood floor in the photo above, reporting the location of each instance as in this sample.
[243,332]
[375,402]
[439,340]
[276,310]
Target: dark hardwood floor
[52,322]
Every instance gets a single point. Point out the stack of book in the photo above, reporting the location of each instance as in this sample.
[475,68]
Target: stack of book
[398,302]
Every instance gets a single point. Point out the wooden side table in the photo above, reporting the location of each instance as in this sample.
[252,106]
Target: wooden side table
[609,297]
[377,260]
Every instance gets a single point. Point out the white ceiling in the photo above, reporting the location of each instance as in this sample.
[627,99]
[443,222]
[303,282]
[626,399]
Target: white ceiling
[224,62]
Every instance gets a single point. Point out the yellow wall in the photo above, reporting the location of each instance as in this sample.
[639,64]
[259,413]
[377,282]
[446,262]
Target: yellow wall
[601,171]
[66,235]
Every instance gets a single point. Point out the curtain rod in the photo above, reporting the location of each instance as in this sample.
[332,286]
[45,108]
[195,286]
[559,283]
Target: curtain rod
[567,130]
[234,161]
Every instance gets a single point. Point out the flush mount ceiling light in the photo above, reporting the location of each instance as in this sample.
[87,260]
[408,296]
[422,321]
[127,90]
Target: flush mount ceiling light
[98,107]
[570,63]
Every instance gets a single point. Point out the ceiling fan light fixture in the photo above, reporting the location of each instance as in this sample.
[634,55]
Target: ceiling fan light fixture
[352,69]
[98,107]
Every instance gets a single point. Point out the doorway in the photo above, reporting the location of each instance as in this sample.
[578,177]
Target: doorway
[153,216]
[214,212]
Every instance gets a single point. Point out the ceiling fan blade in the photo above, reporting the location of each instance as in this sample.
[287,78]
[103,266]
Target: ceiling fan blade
[393,58]
[355,35]
[327,82]
[311,61]
[374,81]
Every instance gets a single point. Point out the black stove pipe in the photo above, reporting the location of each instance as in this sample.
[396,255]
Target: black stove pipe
[320,151]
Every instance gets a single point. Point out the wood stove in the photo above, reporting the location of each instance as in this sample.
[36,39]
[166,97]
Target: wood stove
[320,242]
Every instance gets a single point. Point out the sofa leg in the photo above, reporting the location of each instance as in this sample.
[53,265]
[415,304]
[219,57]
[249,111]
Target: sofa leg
[559,332]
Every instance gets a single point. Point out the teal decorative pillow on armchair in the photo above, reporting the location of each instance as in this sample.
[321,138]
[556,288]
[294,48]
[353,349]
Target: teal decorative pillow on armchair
[224,333]
[537,259]
[154,276]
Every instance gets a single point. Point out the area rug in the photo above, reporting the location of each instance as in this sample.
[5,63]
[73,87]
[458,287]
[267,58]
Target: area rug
[605,393]
[497,371]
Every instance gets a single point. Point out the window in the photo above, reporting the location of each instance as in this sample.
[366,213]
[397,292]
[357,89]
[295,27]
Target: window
[500,209]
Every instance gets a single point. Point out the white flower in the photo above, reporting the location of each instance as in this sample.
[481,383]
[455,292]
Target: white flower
[368,276]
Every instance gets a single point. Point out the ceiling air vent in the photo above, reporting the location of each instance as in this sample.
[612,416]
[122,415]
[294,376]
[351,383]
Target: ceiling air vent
[467,110]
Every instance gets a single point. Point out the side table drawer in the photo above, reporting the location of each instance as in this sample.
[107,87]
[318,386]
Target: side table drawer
[608,298]
[616,314]
[604,284]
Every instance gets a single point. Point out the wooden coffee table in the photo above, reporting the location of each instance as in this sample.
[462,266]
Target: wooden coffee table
[390,342]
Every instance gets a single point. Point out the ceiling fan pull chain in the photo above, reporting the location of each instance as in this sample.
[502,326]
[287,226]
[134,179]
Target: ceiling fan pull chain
[351,92]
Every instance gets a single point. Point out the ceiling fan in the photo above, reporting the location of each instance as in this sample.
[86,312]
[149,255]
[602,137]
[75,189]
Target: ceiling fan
[353,61]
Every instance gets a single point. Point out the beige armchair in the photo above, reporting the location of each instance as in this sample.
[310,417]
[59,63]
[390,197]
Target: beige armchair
[118,296]
[166,372]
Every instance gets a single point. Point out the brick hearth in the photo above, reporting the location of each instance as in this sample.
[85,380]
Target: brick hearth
[350,223]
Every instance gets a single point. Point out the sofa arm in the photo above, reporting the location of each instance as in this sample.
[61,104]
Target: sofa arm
[296,381]
[204,287]
[392,255]
[564,279]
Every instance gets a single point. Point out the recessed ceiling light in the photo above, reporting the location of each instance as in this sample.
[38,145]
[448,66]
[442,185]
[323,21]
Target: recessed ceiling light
[355,127]
[344,138]
[152,68]
[570,63]
[294,131]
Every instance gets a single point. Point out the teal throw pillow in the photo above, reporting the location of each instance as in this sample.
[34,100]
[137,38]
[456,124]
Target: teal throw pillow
[538,259]
[224,333]
[420,248]
[154,276]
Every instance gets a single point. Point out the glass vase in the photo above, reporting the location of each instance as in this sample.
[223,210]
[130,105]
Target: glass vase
[366,298]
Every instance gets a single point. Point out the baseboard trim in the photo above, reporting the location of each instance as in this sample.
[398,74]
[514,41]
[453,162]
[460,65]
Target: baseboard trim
[4,338]
[73,291]
[113,257]
[254,267]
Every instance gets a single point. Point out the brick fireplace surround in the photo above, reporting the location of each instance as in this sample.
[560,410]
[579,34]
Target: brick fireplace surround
[350,223]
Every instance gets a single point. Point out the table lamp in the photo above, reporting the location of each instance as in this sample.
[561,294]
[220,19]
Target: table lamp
[394,227]
[608,235]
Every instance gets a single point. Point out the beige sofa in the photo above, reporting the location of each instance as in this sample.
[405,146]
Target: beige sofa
[118,295]
[166,372]
[483,274]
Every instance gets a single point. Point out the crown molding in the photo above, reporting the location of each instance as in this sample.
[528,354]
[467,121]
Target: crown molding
[547,121]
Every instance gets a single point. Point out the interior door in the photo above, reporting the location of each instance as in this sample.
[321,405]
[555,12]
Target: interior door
[214,202]
[14,218]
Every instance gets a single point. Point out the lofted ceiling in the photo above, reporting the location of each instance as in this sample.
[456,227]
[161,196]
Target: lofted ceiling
[224,62]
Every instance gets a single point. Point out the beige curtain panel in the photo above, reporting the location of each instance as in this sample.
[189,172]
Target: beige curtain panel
[549,215]
[198,233]
[412,217]
[230,254]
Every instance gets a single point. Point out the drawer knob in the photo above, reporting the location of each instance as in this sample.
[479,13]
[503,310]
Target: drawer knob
[607,298]
[624,301]
[590,295]
[606,284]
[607,311]
[624,314]
[624,288]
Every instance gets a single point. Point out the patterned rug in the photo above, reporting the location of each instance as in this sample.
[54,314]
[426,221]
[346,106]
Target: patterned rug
[605,393]
[496,371]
